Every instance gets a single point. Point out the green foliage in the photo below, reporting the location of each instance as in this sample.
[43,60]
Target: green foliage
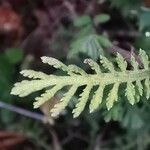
[14,55]
[82,21]
[78,39]
[132,119]
[86,41]
[144,42]
[85,20]
[92,45]
[126,6]
[134,9]
[101,18]
[144,21]
[8,62]
[77,77]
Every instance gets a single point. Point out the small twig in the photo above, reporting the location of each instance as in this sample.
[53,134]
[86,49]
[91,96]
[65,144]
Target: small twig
[55,141]
[22,111]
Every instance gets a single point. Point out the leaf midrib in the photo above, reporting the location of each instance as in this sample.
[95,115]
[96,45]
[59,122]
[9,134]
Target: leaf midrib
[103,78]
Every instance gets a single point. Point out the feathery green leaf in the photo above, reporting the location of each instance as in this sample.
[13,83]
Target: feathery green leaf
[137,83]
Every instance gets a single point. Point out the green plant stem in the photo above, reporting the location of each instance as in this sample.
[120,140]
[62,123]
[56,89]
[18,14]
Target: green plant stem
[104,78]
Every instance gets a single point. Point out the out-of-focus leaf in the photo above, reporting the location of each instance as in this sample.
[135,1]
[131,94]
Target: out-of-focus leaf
[6,116]
[132,119]
[144,18]
[6,74]
[82,21]
[115,113]
[92,45]
[144,43]
[87,30]
[126,6]
[88,45]
[14,55]
[8,60]
[104,41]
[102,18]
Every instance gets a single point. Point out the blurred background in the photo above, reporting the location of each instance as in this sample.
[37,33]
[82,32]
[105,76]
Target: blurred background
[70,30]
